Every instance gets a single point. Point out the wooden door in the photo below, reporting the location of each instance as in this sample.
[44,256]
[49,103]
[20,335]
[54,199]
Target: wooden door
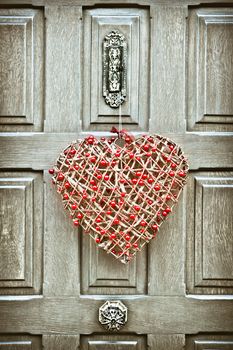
[53,279]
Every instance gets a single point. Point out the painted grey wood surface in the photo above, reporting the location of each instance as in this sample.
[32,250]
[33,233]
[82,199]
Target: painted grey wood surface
[21,69]
[42,253]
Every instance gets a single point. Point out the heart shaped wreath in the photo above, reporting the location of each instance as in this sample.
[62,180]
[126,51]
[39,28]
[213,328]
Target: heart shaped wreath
[120,195]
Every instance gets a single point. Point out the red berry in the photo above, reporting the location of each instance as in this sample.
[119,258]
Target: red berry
[135,245]
[128,245]
[108,212]
[150,180]
[173,165]
[150,201]
[123,194]
[116,222]
[153,149]
[141,182]
[67,185]
[65,196]
[113,236]
[113,204]
[122,181]
[171,147]
[73,206]
[97,240]
[131,156]
[134,181]
[132,217]
[99,176]
[93,199]
[60,177]
[168,210]
[136,207]
[106,177]
[128,139]
[76,222]
[127,237]
[84,196]
[138,173]
[154,227]
[146,147]
[103,163]
[168,197]
[144,176]
[157,187]
[92,182]
[87,154]
[98,228]
[72,152]
[172,173]
[117,154]
[95,188]
[164,213]
[51,171]
[79,215]
[93,159]
[143,223]
[181,174]
[102,138]
[148,154]
[98,219]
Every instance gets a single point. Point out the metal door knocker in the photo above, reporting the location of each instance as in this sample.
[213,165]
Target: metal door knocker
[114,68]
[113,315]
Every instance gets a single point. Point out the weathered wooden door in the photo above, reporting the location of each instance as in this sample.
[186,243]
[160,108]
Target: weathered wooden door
[53,279]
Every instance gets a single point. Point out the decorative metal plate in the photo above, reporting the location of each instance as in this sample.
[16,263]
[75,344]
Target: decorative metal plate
[114,68]
[113,315]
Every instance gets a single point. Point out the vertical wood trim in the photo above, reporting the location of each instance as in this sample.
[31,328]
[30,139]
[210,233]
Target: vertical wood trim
[61,241]
[60,342]
[168,27]
[63,68]
[166,341]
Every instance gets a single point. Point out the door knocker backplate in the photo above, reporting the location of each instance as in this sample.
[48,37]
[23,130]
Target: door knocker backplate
[113,315]
[114,68]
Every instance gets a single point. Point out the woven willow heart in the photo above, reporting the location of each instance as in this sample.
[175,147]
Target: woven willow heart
[120,196]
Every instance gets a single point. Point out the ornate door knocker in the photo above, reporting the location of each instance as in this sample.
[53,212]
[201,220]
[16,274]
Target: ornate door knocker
[113,315]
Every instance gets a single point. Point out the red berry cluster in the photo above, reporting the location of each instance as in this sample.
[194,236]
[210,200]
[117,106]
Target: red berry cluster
[120,196]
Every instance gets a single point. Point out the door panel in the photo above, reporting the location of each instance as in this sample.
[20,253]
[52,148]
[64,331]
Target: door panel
[53,278]
[22,47]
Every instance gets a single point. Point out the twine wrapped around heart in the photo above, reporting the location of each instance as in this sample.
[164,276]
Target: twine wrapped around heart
[120,196]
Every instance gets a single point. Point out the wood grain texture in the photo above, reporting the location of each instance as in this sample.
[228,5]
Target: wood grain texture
[61,254]
[210,70]
[166,342]
[39,151]
[113,342]
[101,276]
[112,2]
[166,275]
[164,315]
[63,68]
[209,233]
[133,23]
[20,342]
[210,342]
[167,69]
[60,342]
[21,233]
[21,70]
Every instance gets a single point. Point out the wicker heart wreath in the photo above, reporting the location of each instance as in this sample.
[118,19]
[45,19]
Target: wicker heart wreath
[120,195]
